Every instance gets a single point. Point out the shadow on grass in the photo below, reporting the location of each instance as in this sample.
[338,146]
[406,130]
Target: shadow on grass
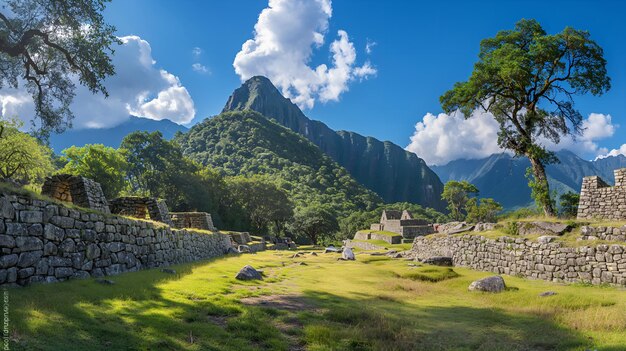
[136,314]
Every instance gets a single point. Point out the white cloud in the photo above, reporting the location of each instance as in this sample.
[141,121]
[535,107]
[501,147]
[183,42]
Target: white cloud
[614,152]
[443,138]
[369,46]
[196,52]
[200,68]
[138,88]
[285,35]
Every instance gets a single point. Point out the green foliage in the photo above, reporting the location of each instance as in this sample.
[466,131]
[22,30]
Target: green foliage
[525,212]
[527,79]
[43,43]
[22,157]
[103,164]
[262,201]
[569,204]
[511,228]
[483,210]
[317,222]
[246,143]
[359,220]
[457,194]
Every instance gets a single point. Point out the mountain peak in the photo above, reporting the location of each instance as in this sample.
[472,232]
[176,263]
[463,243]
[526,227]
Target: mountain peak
[259,94]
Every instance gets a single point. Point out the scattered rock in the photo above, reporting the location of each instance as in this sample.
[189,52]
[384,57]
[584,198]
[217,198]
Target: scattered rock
[244,249]
[168,271]
[544,239]
[302,264]
[231,250]
[543,228]
[439,261]
[490,284]
[483,227]
[348,254]
[105,281]
[547,293]
[296,255]
[248,273]
[330,249]
[453,227]
[313,254]
[395,255]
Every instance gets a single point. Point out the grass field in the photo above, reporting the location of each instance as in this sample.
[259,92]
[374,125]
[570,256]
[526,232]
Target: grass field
[314,303]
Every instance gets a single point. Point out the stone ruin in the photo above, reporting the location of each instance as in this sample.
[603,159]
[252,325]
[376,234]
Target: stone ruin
[142,208]
[78,190]
[598,200]
[402,223]
[198,220]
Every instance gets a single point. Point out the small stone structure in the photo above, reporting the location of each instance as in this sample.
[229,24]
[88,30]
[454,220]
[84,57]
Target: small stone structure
[598,200]
[197,220]
[78,190]
[526,258]
[402,223]
[142,208]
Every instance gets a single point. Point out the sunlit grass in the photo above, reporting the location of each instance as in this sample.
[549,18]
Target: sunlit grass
[373,303]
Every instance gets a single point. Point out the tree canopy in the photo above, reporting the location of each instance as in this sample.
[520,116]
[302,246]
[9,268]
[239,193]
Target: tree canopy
[527,80]
[22,157]
[44,44]
[316,222]
[458,195]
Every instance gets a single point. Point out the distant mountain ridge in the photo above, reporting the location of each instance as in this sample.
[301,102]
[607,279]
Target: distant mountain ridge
[113,136]
[383,167]
[502,177]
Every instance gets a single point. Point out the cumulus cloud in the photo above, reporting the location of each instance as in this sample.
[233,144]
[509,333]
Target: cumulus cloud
[285,36]
[200,68]
[139,88]
[614,152]
[439,139]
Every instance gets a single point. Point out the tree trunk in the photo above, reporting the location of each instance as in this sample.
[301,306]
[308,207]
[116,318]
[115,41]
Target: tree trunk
[541,189]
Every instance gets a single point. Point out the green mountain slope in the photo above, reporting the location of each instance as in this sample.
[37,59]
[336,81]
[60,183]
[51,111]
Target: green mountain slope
[246,143]
[383,167]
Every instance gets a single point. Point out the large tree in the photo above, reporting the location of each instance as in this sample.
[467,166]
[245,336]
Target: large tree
[315,221]
[458,195]
[22,157]
[527,80]
[103,164]
[44,44]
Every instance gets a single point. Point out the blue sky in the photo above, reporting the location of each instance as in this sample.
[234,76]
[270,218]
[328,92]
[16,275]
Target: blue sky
[421,49]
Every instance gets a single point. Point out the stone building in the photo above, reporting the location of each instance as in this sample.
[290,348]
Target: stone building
[402,223]
[142,208]
[601,201]
[78,190]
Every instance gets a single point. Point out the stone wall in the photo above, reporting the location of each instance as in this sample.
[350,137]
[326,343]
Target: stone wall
[598,200]
[550,261]
[365,235]
[603,233]
[48,242]
[362,245]
[142,208]
[198,220]
[78,190]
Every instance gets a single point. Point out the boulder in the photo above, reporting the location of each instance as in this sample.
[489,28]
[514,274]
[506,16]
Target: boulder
[439,261]
[492,284]
[348,254]
[168,271]
[453,227]
[483,227]
[544,239]
[244,248]
[330,249]
[542,228]
[248,273]
[547,293]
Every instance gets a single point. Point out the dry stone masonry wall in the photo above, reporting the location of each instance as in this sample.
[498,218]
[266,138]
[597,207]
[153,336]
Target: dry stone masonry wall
[598,200]
[78,190]
[142,208]
[549,261]
[198,220]
[47,242]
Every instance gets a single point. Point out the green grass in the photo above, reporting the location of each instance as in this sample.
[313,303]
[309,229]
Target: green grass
[374,303]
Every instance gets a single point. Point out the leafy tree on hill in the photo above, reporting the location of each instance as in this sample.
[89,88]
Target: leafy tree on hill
[483,210]
[103,164]
[527,80]
[569,204]
[458,194]
[22,157]
[43,43]
[262,201]
[316,222]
